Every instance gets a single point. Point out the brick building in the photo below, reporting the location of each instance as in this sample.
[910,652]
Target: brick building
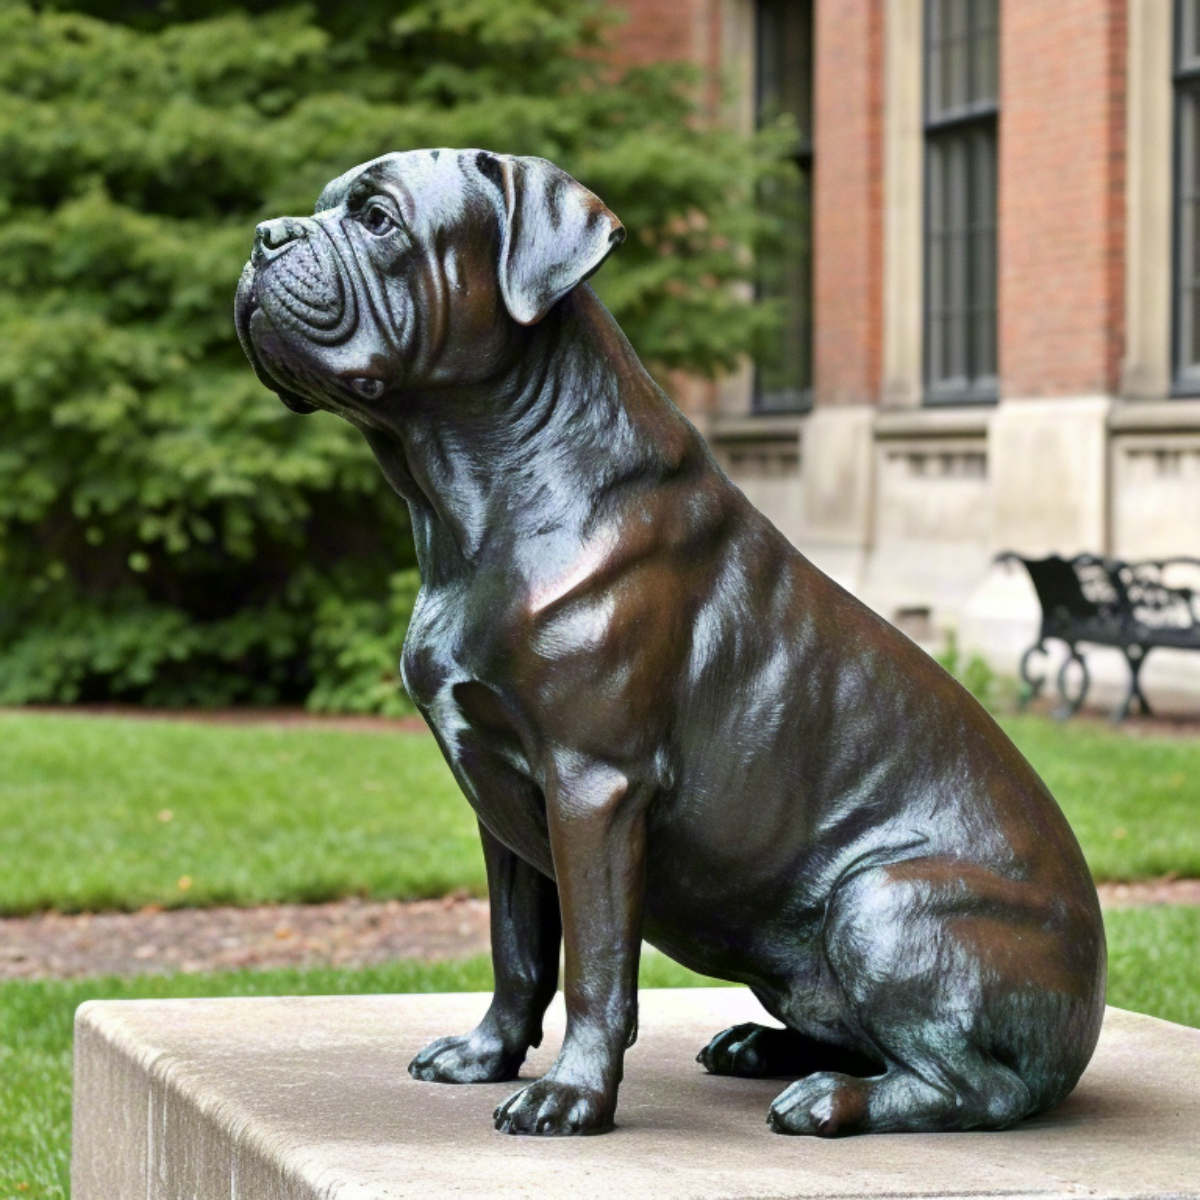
[993,335]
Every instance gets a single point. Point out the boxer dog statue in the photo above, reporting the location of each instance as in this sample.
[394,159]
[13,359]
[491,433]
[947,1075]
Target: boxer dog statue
[669,723]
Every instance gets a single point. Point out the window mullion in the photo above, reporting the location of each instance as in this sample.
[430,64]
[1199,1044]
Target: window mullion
[961,110]
[1185,316]
[783,363]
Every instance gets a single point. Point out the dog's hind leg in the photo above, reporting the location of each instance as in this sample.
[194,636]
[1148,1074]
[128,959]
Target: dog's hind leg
[962,982]
[979,1094]
[762,1052]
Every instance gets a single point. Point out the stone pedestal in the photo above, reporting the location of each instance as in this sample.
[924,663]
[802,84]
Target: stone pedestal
[300,1099]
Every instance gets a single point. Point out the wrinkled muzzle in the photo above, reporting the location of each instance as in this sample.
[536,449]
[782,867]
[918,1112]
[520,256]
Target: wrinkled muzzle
[294,291]
[301,284]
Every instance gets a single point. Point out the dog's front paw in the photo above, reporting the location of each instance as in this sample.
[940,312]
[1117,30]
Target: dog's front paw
[552,1107]
[476,1057]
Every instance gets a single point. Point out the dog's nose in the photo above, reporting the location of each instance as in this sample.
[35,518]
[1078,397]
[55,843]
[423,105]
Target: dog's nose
[271,237]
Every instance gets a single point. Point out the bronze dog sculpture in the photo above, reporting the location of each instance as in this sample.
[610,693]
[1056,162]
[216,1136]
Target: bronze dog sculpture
[669,723]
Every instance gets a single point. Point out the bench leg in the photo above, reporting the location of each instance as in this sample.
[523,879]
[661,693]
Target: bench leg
[1071,705]
[1033,683]
[1135,656]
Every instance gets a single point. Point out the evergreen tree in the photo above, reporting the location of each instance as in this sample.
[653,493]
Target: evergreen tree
[168,531]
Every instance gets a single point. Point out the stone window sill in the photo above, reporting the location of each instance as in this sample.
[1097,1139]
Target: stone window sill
[965,421]
[773,428]
[1156,416]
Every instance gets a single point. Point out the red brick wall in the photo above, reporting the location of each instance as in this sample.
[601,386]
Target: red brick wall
[1062,188]
[659,30]
[848,206]
[848,200]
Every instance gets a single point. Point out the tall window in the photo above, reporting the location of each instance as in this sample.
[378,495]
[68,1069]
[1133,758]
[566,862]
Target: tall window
[1186,339]
[961,116]
[783,375]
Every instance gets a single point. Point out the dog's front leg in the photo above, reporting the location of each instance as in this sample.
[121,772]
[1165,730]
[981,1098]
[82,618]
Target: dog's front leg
[526,934]
[597,837]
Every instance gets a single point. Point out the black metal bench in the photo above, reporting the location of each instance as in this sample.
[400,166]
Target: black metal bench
[1107,602]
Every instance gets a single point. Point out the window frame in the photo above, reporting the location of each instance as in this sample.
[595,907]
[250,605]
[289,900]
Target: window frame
[803,157]
[965,123]
[1185,379]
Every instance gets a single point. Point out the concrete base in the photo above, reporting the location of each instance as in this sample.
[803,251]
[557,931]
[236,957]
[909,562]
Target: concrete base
[300,1099]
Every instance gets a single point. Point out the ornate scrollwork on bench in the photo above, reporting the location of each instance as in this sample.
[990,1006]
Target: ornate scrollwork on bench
[1133,606]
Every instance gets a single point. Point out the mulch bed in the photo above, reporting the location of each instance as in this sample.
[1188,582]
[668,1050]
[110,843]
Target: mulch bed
[1151,891]
[288,718]
[1167,724]
[1184,724]
[349,933]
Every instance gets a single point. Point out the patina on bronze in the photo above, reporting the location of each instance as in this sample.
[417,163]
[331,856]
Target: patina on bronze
[669,723]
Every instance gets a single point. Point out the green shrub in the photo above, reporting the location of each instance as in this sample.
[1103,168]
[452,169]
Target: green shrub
[974,672]
[168,531]
[356,650]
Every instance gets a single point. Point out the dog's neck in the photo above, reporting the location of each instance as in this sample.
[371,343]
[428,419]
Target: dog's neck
[539,452]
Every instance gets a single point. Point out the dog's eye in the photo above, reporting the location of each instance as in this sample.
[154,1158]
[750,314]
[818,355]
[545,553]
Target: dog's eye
[367,388]
[377,220]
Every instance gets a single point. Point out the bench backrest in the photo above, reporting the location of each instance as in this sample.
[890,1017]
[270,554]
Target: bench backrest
[1162,613]
[1115,603]
[1079,598]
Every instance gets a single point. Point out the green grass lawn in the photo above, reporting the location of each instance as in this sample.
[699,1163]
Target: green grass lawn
[111,813]
[1133,801]
[1155,968]
[106,812]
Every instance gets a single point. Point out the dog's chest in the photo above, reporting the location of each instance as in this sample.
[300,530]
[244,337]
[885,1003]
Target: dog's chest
[427,668]
[433,648]
[452,639]
[445,658]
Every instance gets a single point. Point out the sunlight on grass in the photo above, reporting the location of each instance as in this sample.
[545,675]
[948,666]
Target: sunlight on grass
[102,812]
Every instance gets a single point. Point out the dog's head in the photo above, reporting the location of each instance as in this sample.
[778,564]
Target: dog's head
[415,271]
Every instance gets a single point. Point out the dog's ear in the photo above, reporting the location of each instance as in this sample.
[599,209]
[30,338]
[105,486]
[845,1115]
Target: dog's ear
[556,233]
